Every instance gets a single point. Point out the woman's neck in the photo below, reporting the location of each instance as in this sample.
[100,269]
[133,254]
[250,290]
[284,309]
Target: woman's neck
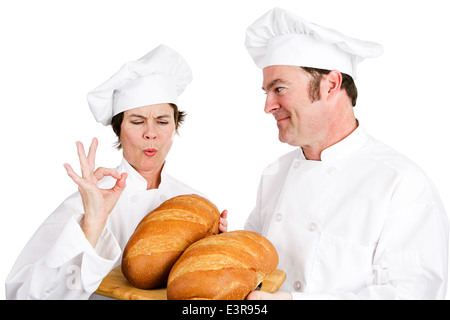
[153,177]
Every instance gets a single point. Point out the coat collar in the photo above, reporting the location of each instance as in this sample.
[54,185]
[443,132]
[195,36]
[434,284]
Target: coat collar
[135,181]
[343,148]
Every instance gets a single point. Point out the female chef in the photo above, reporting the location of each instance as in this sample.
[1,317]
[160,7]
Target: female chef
[82,241]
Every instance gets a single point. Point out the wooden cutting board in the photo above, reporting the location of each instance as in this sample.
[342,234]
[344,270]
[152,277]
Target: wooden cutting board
[115,286]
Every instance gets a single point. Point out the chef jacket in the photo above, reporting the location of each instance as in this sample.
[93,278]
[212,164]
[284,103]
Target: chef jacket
[59,263]
[363,223]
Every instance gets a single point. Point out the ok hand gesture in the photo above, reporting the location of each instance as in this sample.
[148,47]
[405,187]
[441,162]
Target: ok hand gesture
[98,203]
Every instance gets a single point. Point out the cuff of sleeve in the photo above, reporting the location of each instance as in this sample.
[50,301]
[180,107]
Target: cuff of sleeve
[99,262]
[107,246]
[96,263]
[71,242]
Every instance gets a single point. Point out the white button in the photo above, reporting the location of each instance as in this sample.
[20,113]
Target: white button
[332,171]
[279,217]
[296,164]
[297,286]
[312,227]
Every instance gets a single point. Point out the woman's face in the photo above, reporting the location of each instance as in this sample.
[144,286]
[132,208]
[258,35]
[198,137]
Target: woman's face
[146,136]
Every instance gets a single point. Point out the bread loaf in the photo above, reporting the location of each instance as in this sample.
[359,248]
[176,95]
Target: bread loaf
[223,267]
[163,235]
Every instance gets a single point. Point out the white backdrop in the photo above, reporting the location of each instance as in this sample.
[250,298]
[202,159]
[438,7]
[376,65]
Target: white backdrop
[53,52]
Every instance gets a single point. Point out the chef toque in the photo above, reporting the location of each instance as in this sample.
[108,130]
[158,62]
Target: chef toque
[158,77]
[282,38]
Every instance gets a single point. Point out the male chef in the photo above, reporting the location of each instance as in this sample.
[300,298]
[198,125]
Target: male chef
[350,217]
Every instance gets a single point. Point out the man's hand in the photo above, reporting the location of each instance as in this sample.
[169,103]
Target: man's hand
[261,295]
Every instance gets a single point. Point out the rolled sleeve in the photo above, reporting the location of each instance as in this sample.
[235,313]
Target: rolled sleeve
[96,262]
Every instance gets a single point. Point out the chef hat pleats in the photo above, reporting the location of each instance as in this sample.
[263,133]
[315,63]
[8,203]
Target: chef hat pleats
[158,77]
[282,38]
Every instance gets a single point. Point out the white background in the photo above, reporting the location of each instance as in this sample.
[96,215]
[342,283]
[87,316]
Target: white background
[53,52]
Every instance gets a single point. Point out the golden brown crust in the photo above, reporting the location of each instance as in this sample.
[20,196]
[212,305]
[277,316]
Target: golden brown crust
[222,267]
[162,236]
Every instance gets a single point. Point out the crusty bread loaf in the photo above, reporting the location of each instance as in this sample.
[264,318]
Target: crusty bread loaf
[163,235]
[222,267]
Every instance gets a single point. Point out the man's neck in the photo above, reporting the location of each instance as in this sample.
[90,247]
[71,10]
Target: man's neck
[314,152]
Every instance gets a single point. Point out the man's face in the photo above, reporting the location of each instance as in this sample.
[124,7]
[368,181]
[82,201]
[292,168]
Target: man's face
[300,122]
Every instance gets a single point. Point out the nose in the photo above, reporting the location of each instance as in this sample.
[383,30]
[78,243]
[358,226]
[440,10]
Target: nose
[150,133]
[272,104]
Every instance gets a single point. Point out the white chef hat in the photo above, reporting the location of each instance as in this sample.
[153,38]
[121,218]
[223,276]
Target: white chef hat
[158,77]
[282,38]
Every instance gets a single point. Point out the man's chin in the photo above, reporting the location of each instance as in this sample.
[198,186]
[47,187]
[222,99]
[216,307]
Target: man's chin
[288,140]
[283,137]
[284,140]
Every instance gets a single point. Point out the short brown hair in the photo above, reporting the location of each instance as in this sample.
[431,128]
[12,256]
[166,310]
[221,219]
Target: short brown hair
[348,84]
[116,122]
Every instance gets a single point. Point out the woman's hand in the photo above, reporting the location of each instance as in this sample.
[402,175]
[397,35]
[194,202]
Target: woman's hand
[98,203]
[223,223]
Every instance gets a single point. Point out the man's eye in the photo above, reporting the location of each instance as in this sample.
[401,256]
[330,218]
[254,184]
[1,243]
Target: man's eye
[137,122]
[163,122]
[279,89]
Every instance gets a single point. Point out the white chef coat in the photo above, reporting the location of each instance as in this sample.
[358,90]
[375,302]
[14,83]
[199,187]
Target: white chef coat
[363,223]
[59,263]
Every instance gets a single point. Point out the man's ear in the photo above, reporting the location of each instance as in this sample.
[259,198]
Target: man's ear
[333,82]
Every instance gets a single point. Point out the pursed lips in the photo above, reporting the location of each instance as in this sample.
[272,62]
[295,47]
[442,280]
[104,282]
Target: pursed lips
[150,152]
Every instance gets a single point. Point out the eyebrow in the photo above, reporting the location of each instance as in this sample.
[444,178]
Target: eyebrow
[137,115]
[163,116]
[274,83]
